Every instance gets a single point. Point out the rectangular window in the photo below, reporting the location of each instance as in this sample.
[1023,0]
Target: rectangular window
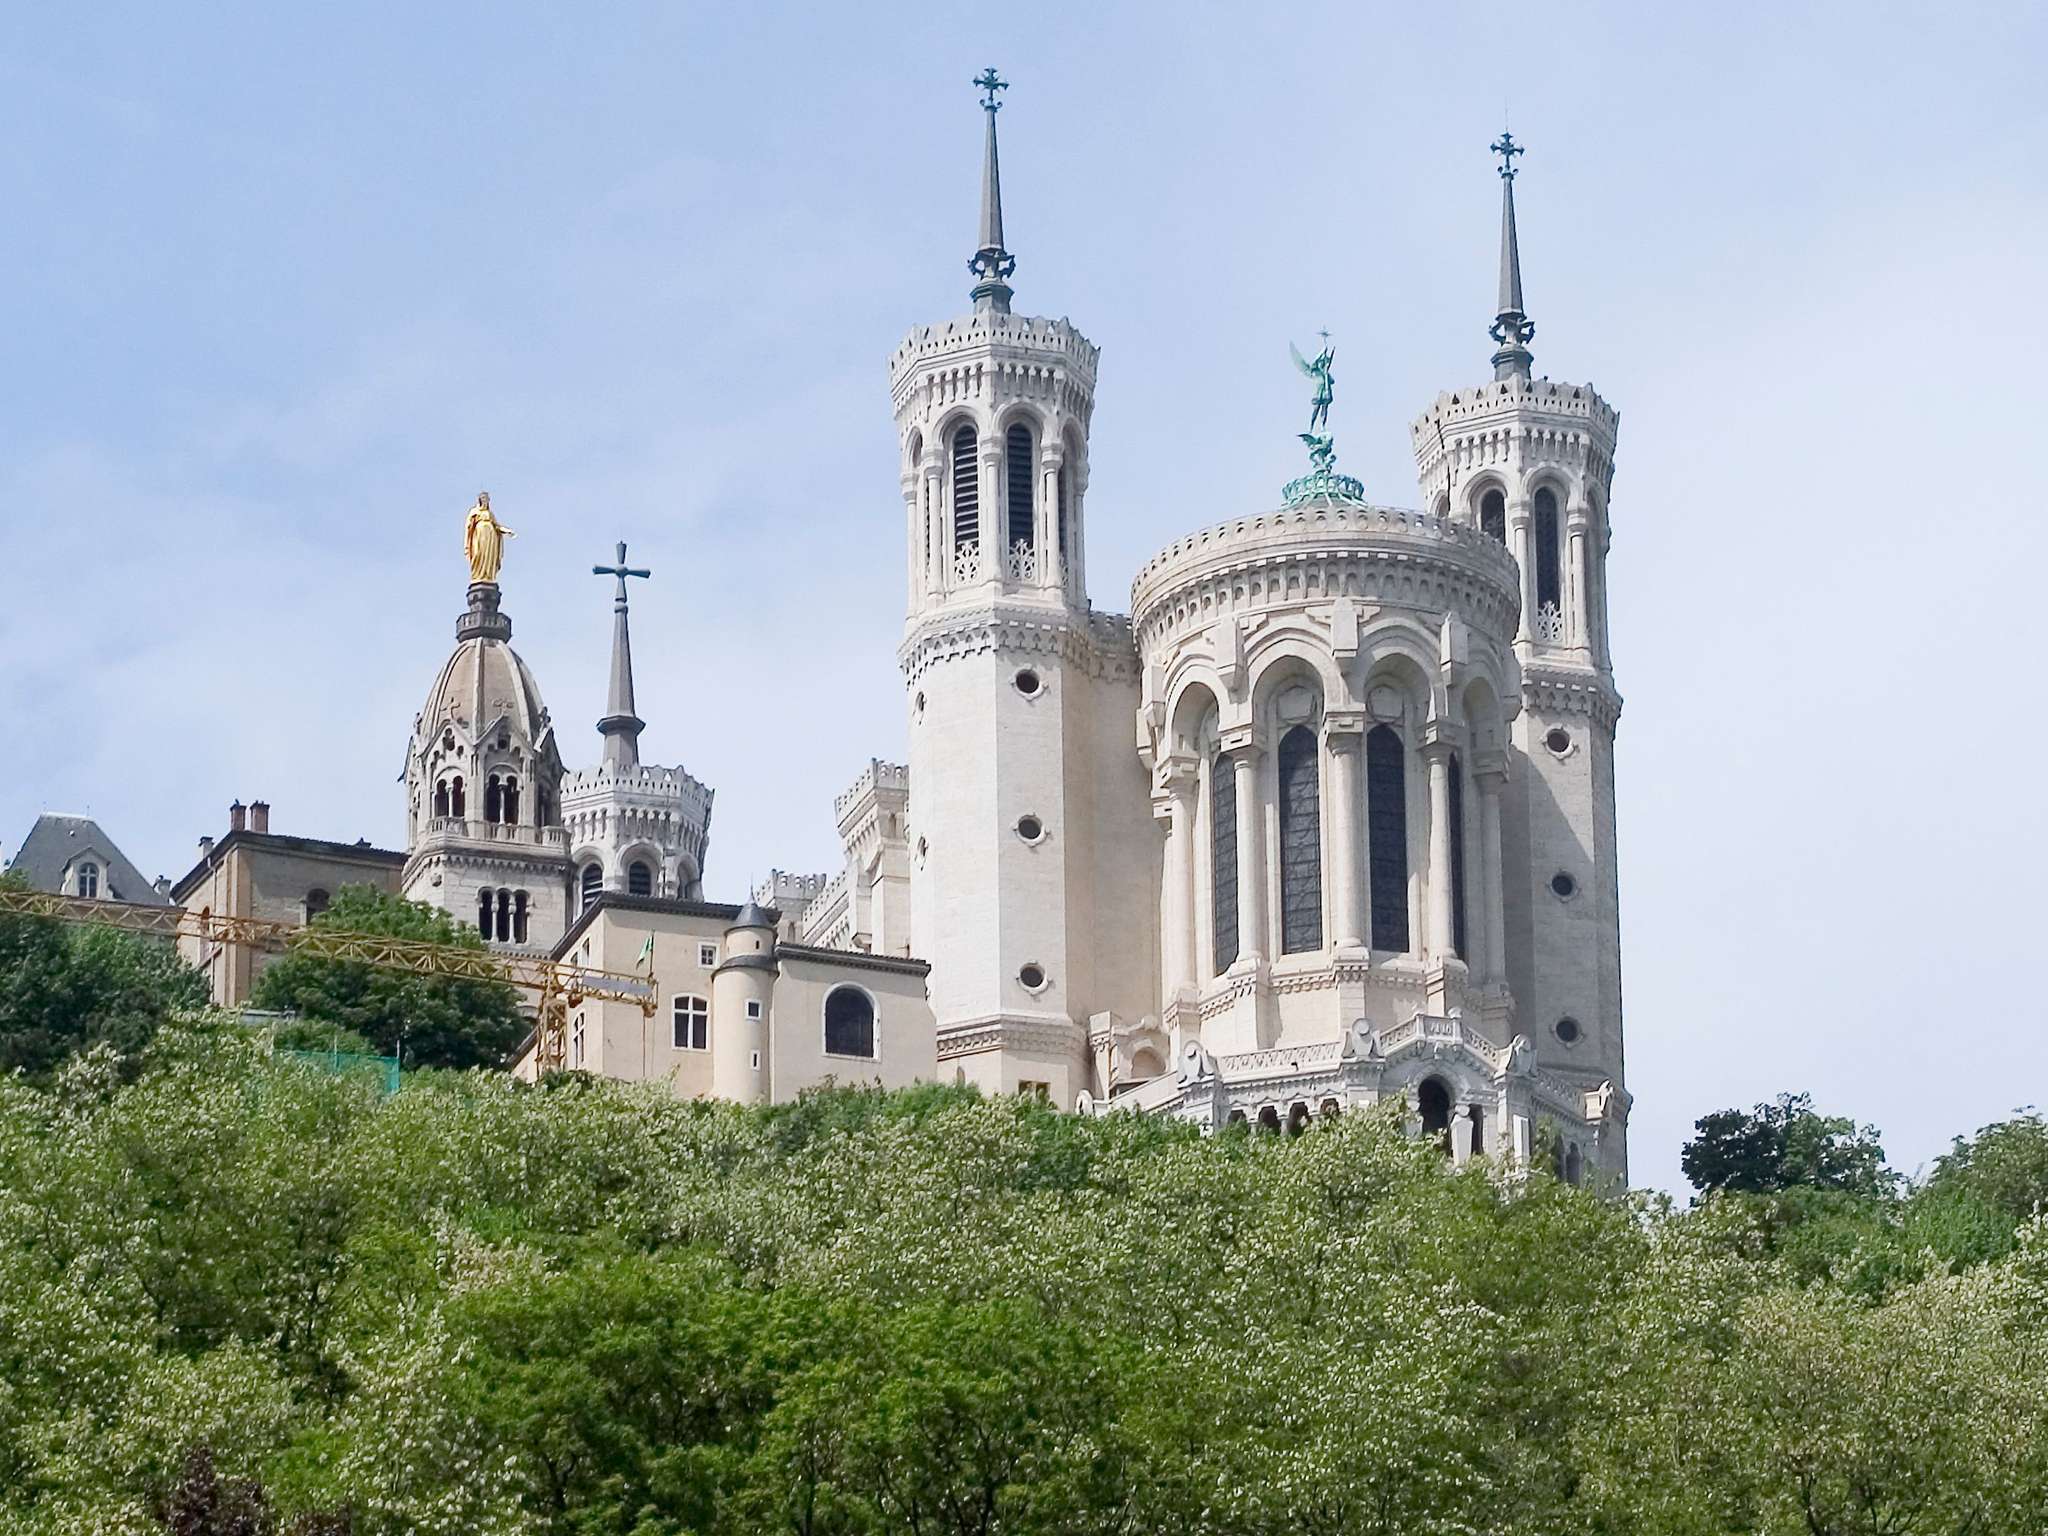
[692,1024]
[753,1008]
[707,955]
[1034,1090]
[576,1043]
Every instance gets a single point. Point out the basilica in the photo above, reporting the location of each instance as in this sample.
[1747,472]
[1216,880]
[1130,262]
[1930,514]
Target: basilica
[1326,819]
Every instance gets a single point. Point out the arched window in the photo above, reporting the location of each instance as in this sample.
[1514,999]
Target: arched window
[492,799]
[639,878]
[519,917]
[593,882]
[1548,591]
[1223,859]
[504,917]
[1457,835]
[317,901]
[1478,1129]
[1301,842]
[486,911]
[1017,457]
[1386,821]
[966,489]
[1574,1167]
[1493,516]
[509,805]
[441,797]
[89,880]
[849,1023]
[458,804]
[1433,1100]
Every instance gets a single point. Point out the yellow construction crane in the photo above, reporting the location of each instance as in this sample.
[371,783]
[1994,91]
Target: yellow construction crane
[555,987]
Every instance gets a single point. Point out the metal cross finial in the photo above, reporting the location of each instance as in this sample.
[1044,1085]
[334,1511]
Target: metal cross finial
[988,82]
[1506,147]
[620,570]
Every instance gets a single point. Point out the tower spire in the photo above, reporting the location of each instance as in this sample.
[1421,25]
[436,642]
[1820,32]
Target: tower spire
[1512,328]
[621,727]
[991,264]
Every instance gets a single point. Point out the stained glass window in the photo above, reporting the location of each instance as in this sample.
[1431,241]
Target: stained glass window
[1386,820]
[1301,842]
[1223,859]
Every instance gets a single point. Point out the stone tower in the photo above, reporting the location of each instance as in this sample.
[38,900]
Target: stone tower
[1530,462]
[484,838]
[1034,870]
[635,828]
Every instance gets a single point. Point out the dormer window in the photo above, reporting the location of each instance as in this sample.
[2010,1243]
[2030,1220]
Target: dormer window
[89,880]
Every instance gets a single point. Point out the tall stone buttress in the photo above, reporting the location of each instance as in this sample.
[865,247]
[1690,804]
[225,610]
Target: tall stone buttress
[1531,462]
[1034,867]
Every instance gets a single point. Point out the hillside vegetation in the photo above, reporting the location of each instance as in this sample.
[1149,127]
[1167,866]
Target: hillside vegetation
[242,1293]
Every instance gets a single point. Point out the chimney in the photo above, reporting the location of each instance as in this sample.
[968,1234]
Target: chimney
[205,849]
[238,819]
[259,816]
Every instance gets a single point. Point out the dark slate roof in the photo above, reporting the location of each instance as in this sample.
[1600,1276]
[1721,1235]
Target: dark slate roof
[618,901]
[361,851]
[54,841]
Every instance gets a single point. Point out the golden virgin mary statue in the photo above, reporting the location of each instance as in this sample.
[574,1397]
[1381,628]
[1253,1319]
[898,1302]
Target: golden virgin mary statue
[483,540]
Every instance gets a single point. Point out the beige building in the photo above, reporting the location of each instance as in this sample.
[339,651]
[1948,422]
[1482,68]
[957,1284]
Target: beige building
[256,873]
[742,1014]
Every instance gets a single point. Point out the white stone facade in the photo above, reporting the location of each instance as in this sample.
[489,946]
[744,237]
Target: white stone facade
[618,816]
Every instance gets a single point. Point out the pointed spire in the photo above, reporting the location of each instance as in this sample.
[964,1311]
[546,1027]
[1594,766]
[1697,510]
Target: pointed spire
[621,727]
[1512,328]
[991,264]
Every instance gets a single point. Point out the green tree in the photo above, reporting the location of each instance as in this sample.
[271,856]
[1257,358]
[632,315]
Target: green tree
[440,1021]
[1785,1145]
[66,987]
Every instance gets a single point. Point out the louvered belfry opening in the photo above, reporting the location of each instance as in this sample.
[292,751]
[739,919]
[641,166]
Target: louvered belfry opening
[1301,842]
[1548,588]
[1223,859]
[1017,456]
[966,490]
[1493,516]
[1386,823]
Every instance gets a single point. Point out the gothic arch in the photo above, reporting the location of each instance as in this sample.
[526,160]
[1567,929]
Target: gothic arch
[1293,650]
[1197,698]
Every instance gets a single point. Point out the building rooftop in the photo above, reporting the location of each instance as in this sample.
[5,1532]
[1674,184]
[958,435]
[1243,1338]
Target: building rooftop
[56,840]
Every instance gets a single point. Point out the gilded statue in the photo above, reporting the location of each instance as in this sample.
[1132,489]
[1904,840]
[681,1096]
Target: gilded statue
[483,540]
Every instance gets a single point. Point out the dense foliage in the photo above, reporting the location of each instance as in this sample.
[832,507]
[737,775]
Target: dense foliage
[64,989]
[240,1288]
[431,1021]
[1783,1145]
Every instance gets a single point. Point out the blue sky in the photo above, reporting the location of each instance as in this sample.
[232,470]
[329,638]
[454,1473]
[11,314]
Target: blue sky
[281,288]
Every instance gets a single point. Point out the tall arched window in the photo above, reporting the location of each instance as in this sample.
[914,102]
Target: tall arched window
[639,878]
[504,917]
[1433,1099]
[519,917]
[1457,834]
[441,797]
[1301,842]
[1386,822]
[1493,516]
[1223,859]
[316,902]
[509,805]
[458,803]
[593,882]
[492,799]
[1019,457]
[1548,590]
[89,880]
[966,489]
[849,1023]
[486,914]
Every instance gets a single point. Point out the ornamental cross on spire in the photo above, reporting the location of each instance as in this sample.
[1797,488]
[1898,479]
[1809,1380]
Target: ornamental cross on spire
[988,82]
[621,570]
[1506,147]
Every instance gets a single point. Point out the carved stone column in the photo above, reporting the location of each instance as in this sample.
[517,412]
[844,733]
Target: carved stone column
[938,545]
[1175,807]
[1246,752]
[1343,737]
[1436,752]
[994,511]
[1488,774]
[1579,630]
[1520,540]
[1050,457]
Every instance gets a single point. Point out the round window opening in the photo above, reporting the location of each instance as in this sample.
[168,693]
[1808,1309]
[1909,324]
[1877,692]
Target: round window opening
[1559,740]
[1033,977]
[1028,683]
[1030,828]
[1563,886]
[1568,1031]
